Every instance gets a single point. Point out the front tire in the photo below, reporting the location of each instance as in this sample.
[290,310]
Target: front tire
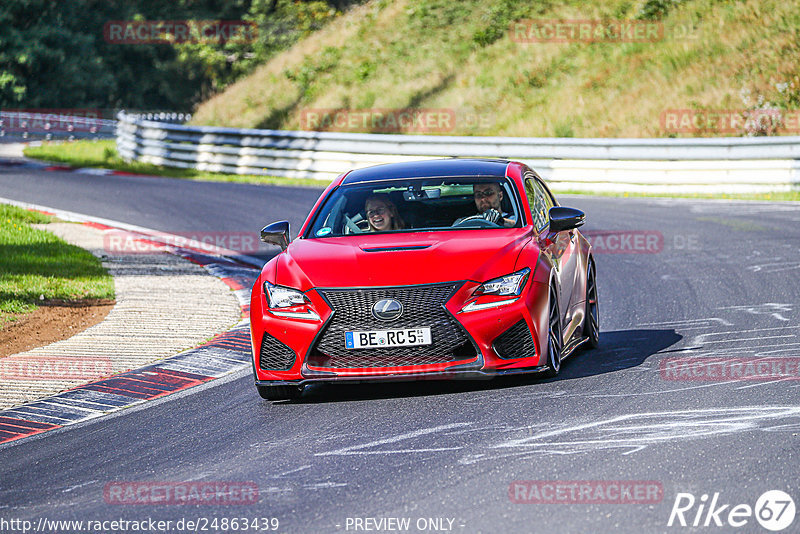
[275,393]
[591,320]
[555,343]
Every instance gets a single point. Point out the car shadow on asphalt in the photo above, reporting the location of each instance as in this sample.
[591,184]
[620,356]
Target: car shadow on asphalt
[618,350]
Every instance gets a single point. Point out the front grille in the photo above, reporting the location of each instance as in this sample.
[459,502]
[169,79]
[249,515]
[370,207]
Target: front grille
[516,342]
[275,356]
[422,306]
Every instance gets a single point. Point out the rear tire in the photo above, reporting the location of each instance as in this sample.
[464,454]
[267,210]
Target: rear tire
[554,341]
[591,320]
[274,393]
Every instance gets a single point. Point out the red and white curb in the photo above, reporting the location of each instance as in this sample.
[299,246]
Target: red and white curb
[224,355]
[21,162]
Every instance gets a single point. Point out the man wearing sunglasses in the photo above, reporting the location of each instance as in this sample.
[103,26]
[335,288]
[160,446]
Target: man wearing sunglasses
[488,201]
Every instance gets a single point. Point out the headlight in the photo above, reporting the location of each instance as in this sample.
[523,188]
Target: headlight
[508,285]
[283,297]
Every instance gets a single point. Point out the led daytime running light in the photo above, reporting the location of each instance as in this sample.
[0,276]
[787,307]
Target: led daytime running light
[283,297]
[508,285]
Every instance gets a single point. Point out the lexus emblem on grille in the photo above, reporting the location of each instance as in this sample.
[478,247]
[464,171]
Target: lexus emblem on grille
[387,309]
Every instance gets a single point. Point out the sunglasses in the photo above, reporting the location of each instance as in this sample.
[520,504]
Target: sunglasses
[485,193]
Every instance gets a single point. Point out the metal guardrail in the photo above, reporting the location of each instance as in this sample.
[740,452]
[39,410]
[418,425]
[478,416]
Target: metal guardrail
[171,117]
[686,165]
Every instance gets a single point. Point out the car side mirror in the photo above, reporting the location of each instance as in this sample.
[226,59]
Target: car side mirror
[563,218]
[276,233]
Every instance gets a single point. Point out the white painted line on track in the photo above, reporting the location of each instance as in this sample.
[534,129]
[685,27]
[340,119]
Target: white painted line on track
[358,449]
[636,431]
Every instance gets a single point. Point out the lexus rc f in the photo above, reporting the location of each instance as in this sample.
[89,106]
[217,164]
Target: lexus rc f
[456,268]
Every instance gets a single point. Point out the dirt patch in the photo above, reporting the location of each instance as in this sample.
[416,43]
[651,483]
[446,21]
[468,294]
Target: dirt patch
[53,321]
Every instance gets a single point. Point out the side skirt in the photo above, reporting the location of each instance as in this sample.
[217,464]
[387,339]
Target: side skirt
[569,350]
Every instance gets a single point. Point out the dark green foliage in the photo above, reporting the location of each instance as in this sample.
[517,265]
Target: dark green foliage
[53,53]
[655,9]
[497,20]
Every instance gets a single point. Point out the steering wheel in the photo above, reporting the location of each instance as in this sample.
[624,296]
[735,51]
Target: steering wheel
[475,221]
[351,226]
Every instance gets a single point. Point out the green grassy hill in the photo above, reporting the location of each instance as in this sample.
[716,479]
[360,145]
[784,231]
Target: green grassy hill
[460,56]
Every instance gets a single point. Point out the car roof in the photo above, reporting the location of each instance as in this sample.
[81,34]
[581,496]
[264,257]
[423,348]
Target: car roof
[437,168]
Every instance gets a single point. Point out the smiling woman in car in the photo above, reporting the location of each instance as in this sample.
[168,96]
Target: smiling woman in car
[382,214]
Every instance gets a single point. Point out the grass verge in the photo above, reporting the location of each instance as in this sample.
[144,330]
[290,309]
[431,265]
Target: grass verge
[496,74]
[103,154]
[36,266]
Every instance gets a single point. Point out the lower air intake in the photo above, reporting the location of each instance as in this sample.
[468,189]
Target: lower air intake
[516,342]
[275,356]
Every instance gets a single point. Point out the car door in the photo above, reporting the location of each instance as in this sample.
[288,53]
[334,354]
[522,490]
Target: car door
[561,247]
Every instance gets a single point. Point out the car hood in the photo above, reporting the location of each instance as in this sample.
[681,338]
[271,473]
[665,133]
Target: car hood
[400,259]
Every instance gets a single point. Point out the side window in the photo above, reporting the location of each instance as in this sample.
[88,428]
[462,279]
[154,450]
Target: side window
[548,196]
[539,201]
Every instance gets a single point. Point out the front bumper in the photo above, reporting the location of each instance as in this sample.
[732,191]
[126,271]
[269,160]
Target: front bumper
[311,354]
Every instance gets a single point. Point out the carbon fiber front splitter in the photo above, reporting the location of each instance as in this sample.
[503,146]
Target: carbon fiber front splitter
[444,375]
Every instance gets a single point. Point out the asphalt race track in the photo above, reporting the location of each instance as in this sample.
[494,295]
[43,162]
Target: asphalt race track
[711,280]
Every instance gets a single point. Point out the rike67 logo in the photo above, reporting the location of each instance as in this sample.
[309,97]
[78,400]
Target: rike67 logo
[774,510]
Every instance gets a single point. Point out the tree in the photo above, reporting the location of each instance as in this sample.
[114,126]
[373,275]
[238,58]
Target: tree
[53,53]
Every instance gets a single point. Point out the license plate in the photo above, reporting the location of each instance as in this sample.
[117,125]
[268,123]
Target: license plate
[373,339]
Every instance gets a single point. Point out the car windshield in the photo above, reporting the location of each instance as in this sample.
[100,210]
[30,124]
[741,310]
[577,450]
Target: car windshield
[413,205]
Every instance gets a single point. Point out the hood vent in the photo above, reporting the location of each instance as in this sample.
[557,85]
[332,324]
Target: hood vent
[396,248]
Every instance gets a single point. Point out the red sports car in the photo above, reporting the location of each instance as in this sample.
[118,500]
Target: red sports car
[454,268]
